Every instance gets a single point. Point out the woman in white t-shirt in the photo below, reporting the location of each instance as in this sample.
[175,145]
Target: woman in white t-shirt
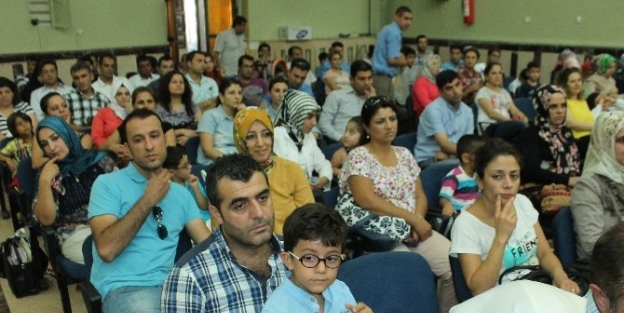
[496,107]
[500,230]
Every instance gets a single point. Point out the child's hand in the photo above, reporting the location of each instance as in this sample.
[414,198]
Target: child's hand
[448,210]
[320,183]
[360,307]
[193,180]
[12,166]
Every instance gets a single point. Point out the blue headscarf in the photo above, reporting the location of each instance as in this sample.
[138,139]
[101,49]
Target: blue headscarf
[78,159]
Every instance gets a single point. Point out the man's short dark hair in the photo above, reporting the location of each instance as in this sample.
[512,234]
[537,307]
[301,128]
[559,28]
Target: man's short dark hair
[421,36]
[360,66]
[445,77]
[43,63]
[238,167]
[469,144]
[337,44]
[164,58]
[607,258]
[532,64]
[301,64]
[407,50]
[491,50]
[136,114]
[262,45]
[322,56]
[142,58]
[85,58]
[245,57]
[292,49]
[80,65]
[455,47]
[402,9]
[239,20]
[191,55]
[106,55]
[314,221]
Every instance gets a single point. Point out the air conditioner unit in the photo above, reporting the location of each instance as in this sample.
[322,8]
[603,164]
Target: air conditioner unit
[294,33]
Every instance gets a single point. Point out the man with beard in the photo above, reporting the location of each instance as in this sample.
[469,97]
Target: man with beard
[136,216]
[237,268]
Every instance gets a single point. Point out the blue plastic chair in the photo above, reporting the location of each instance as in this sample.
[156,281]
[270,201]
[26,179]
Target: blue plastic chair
[330,197]
[526,106]
[192,148]
[461,287]
[391,282]
[431,178]
[406,140]
[564,237]
[329,150]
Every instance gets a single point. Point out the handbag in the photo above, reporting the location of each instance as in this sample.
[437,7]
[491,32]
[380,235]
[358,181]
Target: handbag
[577,272]
[18,267]
[554,198]
[378,233]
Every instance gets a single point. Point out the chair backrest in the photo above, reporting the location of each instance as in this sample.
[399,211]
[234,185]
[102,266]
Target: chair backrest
[461,288]
[391,282]
[526,106]
[431,178]
[27,178]
[564,237]
[330,197]
[192,148]
[508,81]
[406,140]
[87,253]
[329,150]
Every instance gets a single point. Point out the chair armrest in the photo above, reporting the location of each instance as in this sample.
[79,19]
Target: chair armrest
[51,245]
[91,297]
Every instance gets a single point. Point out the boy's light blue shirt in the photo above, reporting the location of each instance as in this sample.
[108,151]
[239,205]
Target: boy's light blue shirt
[290,298]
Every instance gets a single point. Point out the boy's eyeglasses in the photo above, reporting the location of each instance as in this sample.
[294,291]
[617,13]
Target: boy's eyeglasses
[311,260]
[160,229]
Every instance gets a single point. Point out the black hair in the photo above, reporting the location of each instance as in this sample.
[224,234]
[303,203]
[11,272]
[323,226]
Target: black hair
[174,156]
[370,108]
[291,50]
[81,65]
[606,262]
[140,114]
[533,64]
[473,49]
[402,9]
[277,79]
[245,57]
[337,44]
[139,90]
[490,150]
[142,58]
[165,94]
[163,58]
[421,36]
[360,66]
[445,77]
[407,50]
[491,50]
[106,55]
[238,167]
[489,67]
[524,74]
[225,83]
[315,221]
[455,47]
[5,82]
[85,58]
[301,64]
[239,20]
[469,144]
[322,56]
[43,104]
[191,55]
[262,45]
[13,119]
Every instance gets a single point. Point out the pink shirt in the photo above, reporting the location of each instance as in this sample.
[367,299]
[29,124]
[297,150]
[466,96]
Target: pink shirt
[104,125]
[423,93]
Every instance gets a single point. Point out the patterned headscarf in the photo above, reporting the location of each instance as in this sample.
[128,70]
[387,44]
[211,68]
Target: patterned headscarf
[559,138]
[78,159]
[294,109]
[428,62]
[601,153]
[603,61]
[242,122]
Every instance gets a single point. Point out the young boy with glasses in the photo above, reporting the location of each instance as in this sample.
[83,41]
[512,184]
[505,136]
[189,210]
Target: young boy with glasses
[314,238]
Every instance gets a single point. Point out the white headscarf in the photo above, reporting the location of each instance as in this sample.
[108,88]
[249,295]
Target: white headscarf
[428,62]
[601,153]
[120,111]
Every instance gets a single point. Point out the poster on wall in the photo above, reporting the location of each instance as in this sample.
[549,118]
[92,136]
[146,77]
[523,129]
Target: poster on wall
[180,25]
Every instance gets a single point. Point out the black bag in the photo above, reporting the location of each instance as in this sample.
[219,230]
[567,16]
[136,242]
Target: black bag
[18,267]
[577,272]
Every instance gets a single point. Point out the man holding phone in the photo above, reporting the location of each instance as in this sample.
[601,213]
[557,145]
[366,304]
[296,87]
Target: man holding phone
[343,104]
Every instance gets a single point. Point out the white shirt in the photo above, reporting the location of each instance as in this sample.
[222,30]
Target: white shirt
[138,81]
[109,90]
[230,46]
[39,93]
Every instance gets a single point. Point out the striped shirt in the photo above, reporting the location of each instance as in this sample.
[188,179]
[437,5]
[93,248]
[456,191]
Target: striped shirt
[20,107]
[459,188]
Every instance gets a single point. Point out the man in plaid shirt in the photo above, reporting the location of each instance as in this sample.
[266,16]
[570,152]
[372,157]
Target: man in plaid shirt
[83,101]
[237,268]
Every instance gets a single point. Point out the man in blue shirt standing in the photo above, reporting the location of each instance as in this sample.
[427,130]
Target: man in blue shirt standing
[387,57]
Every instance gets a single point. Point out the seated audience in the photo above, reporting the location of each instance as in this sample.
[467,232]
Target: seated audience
[242,254]
[353,135]
[547,146]
[48,76]
[459,187]
[380,191]
[84,101]
[516,83]
[65,183]
[20,144]
[579,117]
[271,102]
[9,104]
[107,119]
[602,80]
[406,75]
[254,89]
[493,56]
[471,79]
[313,234]
[136,216]
[607,277]
[216,126]
[53,104]
[262,68]
[443,122]
[145,75]
[204,89]
[425,90]
[212,71]
[165,65]
[290,189]
[176,106]
[294,139]
[496,108]
[107,80]
[456,61]
[342,105]
[529,87]
[297,74]
[500,230]
[335,77]
[597,202]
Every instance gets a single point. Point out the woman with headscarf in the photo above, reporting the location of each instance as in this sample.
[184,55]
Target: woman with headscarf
[548,147]
[598,197]
[602,80]
[107,119]
[290,189]
[65,185]
[294,139]
[425,89]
